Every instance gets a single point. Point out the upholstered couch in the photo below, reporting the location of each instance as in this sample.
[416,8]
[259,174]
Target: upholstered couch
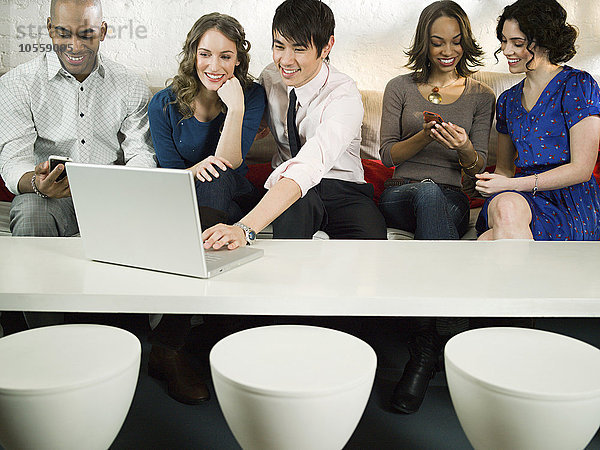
[262,151]
[375,173]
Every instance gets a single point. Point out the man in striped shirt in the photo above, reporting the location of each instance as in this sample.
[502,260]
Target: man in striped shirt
[73,103]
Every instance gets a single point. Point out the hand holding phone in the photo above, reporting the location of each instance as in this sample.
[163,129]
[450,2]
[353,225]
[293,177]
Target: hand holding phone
[432,117]
[55,161]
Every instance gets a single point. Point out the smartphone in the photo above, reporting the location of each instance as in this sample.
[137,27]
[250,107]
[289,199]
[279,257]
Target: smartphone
[432,117]
[55,161]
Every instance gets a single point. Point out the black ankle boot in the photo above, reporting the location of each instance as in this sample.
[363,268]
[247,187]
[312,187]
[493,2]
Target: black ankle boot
[425,348]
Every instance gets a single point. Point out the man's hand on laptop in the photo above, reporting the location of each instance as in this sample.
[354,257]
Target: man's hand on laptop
[221,235]
[205,170]
[46,181]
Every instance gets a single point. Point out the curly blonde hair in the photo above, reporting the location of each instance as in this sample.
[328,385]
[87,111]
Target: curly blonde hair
[186,85]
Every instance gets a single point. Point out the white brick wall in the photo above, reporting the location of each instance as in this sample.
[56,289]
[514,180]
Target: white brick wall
[370,34]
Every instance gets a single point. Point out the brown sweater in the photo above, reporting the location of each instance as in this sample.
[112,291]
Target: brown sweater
[402,117]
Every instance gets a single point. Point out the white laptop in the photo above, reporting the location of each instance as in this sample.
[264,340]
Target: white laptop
[146,218]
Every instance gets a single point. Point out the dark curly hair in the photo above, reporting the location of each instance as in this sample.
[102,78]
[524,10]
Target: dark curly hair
[544,24]
[186,85]
[418,54]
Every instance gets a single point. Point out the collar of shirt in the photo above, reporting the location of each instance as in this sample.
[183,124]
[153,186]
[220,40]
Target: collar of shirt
[55,67]
[305,94]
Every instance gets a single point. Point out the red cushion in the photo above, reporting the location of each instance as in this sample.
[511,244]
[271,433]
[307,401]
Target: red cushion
[376,174]
[258,174]
[476,202]
[597,168]
[5,194]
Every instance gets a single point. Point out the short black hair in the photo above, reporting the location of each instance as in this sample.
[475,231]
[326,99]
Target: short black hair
[544,23]
[305,22]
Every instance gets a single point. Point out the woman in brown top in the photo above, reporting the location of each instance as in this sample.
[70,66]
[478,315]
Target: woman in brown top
[424,196]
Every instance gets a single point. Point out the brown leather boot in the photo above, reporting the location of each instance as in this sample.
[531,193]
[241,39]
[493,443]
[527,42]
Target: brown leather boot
[183,384]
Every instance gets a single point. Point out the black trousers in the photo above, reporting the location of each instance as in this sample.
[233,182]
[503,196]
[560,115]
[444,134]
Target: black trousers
[342,209]
[172,331]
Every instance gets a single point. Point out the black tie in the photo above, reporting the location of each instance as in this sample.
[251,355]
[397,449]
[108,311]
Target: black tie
[293,136]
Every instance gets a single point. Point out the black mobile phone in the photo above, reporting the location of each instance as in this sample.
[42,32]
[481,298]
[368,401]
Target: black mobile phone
[55,161]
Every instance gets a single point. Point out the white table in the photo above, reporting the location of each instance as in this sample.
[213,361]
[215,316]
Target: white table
[366,278]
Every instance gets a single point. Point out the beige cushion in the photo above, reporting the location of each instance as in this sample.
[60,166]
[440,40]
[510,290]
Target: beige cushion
[373,103]
[498,82]
[262,150]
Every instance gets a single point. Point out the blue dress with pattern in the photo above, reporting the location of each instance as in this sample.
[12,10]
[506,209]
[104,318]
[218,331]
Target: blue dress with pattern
[541,138]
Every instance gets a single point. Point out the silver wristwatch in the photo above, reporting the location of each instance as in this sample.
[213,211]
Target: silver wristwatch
[249,232]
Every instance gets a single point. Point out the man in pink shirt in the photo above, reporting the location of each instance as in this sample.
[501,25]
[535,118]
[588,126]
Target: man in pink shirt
[315,114]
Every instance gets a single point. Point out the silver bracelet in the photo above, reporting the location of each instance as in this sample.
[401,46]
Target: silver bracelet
[35,188]
[535,186]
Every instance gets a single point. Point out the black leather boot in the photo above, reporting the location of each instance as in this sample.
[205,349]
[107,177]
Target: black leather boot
[425,348]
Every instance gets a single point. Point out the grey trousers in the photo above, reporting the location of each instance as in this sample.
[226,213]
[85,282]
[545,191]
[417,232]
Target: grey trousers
[31,215]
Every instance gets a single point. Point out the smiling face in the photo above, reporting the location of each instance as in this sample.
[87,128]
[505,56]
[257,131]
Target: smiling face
[514,47]
[297,63]
[445,49]
[216,59]
[76,30]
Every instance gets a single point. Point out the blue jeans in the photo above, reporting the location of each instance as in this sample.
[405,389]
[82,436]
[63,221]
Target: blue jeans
[230,193]
[428,210]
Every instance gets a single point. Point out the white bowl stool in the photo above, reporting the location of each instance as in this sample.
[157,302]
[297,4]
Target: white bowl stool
[67,386]
[292,387]
[518,388]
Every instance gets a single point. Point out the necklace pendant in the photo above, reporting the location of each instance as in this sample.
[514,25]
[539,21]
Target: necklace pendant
[435,97]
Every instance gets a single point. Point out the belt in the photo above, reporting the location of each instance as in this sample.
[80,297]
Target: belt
[400,181]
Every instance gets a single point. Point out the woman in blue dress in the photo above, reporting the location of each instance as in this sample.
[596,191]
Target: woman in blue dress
[205,121]
[549,128]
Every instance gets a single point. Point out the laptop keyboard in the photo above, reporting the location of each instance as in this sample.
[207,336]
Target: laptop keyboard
[212,257]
